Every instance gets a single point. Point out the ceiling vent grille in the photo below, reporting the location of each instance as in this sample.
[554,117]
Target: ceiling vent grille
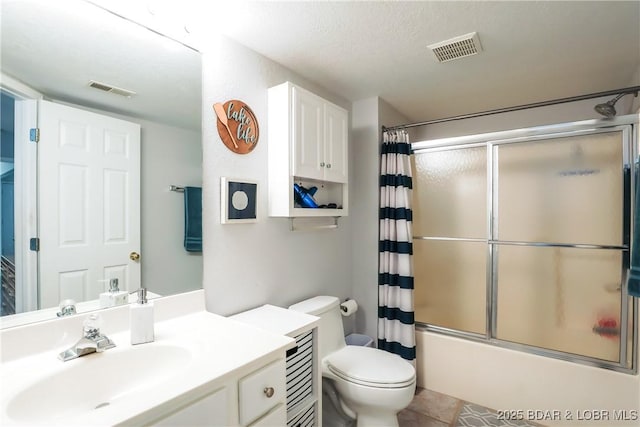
[112,89]
[457,47]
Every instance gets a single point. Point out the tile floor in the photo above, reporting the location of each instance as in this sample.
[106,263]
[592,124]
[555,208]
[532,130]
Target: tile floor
[432,409]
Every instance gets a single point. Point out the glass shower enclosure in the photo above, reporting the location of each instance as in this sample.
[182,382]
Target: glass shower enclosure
[522,240]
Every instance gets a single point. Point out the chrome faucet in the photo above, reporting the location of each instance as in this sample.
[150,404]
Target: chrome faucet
[91,342]
[67,308]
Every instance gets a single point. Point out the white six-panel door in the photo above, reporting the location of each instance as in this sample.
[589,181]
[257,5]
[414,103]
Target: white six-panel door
[89,203]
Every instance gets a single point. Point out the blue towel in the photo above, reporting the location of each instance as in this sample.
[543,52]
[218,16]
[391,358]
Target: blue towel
[193,219]
[633,285]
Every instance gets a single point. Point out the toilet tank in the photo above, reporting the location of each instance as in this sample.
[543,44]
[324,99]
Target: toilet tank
[330,329]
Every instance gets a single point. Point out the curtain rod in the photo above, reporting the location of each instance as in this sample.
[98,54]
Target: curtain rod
[632,89]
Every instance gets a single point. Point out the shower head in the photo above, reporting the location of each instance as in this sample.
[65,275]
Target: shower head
[607,109]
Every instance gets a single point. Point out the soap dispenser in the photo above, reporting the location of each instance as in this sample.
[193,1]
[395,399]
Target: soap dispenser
[141,319]
[114,296]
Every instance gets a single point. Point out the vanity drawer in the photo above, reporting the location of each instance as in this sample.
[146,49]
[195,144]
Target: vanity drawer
[210,410]
[261,391]
[277,417]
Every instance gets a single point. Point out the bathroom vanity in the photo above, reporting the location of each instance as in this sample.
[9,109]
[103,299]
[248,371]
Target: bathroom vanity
[202,369]
[304,377]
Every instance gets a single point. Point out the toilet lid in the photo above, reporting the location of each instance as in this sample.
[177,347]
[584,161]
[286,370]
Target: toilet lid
[370,366]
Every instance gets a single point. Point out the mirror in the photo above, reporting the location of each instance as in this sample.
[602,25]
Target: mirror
[53,50]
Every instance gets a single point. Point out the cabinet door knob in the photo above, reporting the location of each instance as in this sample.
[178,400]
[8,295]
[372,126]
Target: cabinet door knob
[328,165]
[268,391]
[321,164]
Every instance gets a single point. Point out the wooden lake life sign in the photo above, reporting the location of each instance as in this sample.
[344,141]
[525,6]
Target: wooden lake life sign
[237,126]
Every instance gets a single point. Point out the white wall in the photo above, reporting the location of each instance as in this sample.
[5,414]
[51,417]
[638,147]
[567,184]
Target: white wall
[247,265]
[364,206]
[169,156]
[369,115]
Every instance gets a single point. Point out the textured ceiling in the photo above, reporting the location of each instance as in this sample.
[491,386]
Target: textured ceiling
[532,51]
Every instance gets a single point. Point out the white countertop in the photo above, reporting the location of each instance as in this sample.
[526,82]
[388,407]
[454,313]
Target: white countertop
[277,319]
[220,347]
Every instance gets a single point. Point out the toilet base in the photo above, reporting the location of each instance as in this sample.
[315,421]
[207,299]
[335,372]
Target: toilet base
[332,412]
[377,420]
[375,407]
[330,417]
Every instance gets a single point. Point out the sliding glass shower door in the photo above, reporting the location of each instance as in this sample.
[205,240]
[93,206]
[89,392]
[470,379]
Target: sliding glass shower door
[524,243]
[450,228]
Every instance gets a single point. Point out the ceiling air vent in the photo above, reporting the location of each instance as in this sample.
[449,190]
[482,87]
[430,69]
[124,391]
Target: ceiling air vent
[457,47]
[113,89]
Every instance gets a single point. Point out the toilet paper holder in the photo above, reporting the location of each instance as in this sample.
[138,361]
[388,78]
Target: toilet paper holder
[348,307]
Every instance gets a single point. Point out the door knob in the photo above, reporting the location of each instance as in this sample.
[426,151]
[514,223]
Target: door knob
[134,256]
[269,391]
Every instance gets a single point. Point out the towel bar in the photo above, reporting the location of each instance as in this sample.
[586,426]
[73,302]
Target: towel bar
[312,223]
[176,188]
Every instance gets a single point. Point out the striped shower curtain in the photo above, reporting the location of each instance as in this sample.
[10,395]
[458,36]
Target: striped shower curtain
[396,329]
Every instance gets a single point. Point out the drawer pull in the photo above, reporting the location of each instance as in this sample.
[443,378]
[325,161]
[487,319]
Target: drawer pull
[268,391]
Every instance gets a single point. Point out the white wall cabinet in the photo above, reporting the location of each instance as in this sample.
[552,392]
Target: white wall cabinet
[336,143]
[320,137]
[308,145]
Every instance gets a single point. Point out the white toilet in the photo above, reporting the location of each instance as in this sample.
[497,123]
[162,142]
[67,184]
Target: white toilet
[373,385]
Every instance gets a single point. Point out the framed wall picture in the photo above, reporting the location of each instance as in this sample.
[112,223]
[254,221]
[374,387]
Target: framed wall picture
[238,201]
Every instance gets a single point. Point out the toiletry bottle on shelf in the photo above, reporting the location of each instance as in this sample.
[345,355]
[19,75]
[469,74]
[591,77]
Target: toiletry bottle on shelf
[141,319]
[114,296]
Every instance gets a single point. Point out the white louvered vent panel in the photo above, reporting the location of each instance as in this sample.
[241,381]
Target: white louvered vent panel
[300,376]
[112,89]
[457,47]
[304,419]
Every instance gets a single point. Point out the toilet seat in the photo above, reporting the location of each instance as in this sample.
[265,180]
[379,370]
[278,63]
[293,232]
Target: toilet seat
[371,367]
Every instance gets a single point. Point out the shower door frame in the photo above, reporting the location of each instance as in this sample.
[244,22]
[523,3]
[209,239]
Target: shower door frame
[628,125]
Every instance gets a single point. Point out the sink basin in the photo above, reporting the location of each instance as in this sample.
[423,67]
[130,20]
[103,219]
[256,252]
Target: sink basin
[96,381]
[196,354]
